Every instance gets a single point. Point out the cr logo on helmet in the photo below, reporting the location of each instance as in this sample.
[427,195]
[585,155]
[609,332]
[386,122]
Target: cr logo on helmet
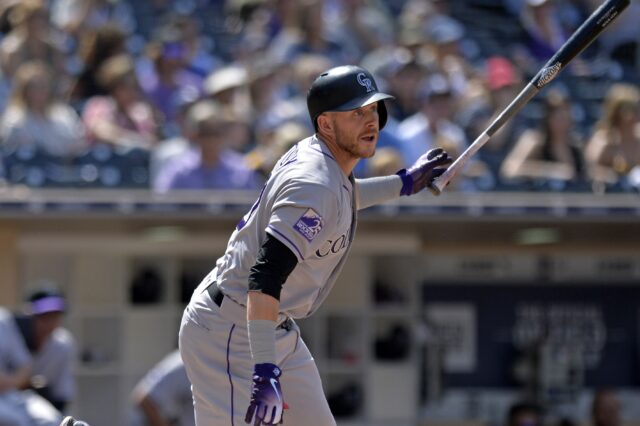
[366,82]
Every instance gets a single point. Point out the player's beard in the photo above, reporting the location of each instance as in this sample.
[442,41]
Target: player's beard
[351,145]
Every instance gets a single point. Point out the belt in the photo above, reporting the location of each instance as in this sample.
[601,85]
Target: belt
[218,296]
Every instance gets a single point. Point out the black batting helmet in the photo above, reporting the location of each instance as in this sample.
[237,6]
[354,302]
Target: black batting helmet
[345,88]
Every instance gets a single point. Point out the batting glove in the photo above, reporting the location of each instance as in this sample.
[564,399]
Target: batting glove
[422,173]
[266,396]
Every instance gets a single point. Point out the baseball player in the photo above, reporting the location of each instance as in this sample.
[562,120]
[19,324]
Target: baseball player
[242,350]
[163,396]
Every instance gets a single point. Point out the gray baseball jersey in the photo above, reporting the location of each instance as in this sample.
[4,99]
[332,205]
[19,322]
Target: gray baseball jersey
[308,204]
[55,361]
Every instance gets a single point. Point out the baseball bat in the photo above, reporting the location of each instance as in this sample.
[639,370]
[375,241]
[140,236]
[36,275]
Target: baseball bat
[579,40]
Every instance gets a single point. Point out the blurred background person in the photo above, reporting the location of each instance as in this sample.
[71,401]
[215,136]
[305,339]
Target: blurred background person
[177,142]
[36,118]
[210,164]
[313,37]
[121,118]
[298,79]
[544,31]
[199,60]
[94,50]
[442,52]
[402,75]
[265,91]
[32,38]
[81,17]
[501,83]
[274,145]
[387,161]
[164,80]
[228,86]
[550,154]
[433,126]
[613,150]
[163,395]
[52,347]
[361,25]
[524,414]
[605,408]
[19,406]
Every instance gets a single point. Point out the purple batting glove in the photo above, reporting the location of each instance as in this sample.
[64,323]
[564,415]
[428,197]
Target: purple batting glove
[422,173]
[266,404]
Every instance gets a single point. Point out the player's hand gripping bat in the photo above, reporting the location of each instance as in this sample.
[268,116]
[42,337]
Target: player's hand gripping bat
[579,40]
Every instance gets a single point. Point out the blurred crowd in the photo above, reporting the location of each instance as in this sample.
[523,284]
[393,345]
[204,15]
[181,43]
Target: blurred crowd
[207,94]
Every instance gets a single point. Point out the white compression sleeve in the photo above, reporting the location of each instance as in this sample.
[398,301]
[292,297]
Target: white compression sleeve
[262,341]
[377,190]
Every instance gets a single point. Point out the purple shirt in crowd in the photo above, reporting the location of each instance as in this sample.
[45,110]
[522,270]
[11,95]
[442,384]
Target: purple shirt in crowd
[187,172]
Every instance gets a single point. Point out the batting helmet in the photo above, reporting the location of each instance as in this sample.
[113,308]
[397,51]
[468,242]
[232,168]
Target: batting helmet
[345,88]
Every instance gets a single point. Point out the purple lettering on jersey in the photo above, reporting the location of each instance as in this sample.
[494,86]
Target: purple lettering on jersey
[309,225]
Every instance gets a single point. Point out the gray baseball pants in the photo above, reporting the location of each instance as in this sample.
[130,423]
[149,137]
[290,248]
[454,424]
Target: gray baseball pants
[215,349]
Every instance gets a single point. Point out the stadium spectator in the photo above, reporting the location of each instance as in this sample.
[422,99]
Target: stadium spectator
[414,17]
[444,37]
[81,17]
[546,26]
[314,38]
[121,118]
[432,126]
[6,20]
[210,164]
[31,40]
[605,408]
[266,93]
[95,48]
[163,396]
[524,414]
[613,150]
[501,84]
[199,61]
[402,74]
[299,77]
[550,154]
[361,26]
[35,118]
[177,142]
[228,87]
[162,83]
[18,405]
[545,33]
[52,347]
[387,161]
[276,143]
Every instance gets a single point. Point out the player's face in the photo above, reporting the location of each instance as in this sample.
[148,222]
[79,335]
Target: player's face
[356,132]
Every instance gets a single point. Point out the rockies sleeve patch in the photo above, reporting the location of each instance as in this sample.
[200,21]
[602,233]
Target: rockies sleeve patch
[309,225]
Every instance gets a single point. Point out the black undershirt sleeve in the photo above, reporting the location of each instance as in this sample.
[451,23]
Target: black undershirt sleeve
[274,264]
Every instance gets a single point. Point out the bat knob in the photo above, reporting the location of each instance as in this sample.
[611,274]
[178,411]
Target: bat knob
[436,186]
